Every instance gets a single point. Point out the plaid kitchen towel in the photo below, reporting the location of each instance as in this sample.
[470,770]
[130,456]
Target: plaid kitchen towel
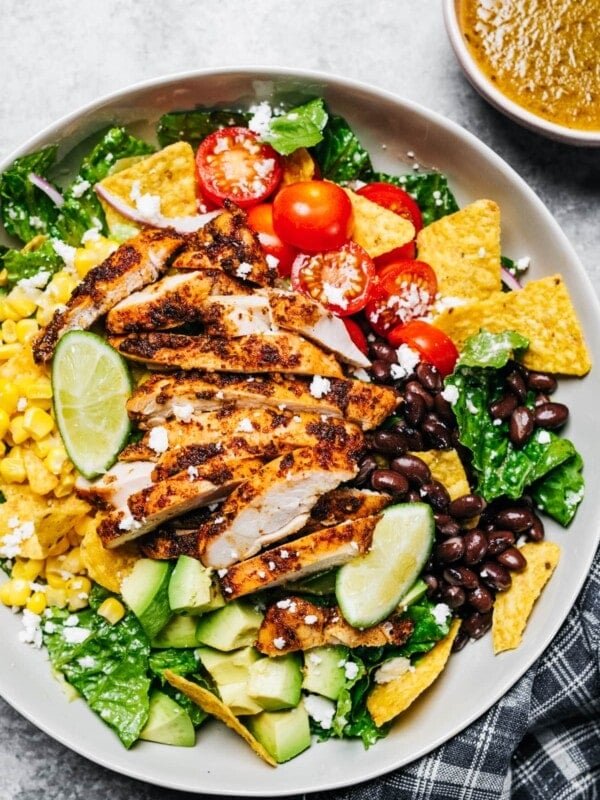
[540,742]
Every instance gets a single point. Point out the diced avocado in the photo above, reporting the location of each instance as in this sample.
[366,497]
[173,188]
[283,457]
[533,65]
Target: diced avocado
[276,683]
[235,695]
[321,584]
[233,626]
[324,671]
[191,588]
[284,734]
[168,722]
[145,590]
[180,631]
[232,667]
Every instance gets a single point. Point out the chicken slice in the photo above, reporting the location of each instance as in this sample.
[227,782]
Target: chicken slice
[316,552]
[261,352]
[133,265]
[160,502]
[113,488]
[193,455]
[294,623]
[157,399]
[295,312]
[343,504]
[234,315]
[274,503]
[228,242]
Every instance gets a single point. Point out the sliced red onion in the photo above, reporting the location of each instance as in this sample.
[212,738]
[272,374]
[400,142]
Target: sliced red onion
[509,280]
[156,220]
[47,189]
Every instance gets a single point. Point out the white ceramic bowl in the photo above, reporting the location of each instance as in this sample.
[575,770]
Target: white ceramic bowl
[499,100]
[391,129]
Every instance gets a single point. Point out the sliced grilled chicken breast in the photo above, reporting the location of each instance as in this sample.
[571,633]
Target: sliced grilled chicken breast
[113,488]
[274,503]
[343,504]
[294,623]
[233,316]
[316,552]
[133,265]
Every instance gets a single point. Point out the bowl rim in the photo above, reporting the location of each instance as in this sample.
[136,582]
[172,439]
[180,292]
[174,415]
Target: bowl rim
[499,100]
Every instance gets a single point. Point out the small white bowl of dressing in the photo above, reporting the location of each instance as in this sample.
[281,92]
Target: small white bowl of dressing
[537,63]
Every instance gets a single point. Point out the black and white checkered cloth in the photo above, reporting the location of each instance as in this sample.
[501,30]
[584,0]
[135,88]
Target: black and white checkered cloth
[540,742]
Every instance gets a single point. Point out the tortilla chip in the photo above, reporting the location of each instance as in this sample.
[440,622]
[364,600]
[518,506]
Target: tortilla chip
[464,250]
[513,607]
[387,700]
[376,229]
[298,166]
[52,519]
[169,174]
[211,704]
[446,467]
[106,567]
[542,311]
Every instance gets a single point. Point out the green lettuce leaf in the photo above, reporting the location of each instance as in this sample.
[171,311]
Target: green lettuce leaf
[194,126]
[560,492]
[340,155]
[301,126]
[429,189]
[181,662]
[22,264]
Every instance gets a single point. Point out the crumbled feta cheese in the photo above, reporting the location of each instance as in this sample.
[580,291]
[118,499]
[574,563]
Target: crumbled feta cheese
[450,394]
[37,281]
[129,523]
[36,222]
[471,407]
[147,204]
[65,251]
[272,261]
[441,612]
[87,662]
[76,635]
[92,235]
[80,187]
[407,361]
[192,473]
[158,439]
[321,709]
[350,669]
[243,270]
[18,532]
[260,120]
[285,603]
[544,437]
[279,642]
[335,295]
[32,631]
[319,386]
[393,668]
[311,619]
[183,411]
[245,426]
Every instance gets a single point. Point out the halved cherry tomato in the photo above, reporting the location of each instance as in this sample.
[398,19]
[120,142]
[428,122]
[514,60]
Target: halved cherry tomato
[260,219]
[433,344]
[233,164]
[314,216]
[405,289]
[341,280]
[356,334]
[400,202]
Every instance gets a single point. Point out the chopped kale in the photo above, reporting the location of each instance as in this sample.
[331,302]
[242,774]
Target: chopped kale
[340,155]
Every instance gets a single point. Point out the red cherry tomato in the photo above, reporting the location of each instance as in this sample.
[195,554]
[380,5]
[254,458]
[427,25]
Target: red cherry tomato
[233,164]
[356,334]
[314,216]
[405,289]
[400,202]
[260,219]
[341,280]
[430,342]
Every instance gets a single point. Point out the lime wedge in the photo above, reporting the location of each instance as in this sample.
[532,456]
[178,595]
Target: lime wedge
[90,387]
[369,587]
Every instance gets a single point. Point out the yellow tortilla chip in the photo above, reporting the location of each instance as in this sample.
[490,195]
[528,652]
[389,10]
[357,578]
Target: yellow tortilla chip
[106,567]
[387,700]
[464,250]
[298,166]
[213,705]
[376,229]
[513,607]
[52,519]
[446,467]
[169,174]
[542,311]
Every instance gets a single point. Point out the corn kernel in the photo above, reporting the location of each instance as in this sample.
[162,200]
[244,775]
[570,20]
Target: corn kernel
[18,432]
[94,253]
[56,596]
[64,486]
[27,569]
[56,581]
[71,561]
[36,603]
[15,592]
[9,350]
[22,301]
[37,388]
[26,329]
[7,311]
[60,287]
[12,469]
[37,423]
[55,459]
[9,331]
[45,311]
[41,480]
[112,610]
[4,423]
[9,396]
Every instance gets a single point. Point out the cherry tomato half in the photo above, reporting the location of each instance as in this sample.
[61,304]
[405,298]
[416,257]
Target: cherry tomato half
[233,164]
[341,280]
[356,334]
[314,216]
[405,289]
[400,202]
[260,219]
[433,344]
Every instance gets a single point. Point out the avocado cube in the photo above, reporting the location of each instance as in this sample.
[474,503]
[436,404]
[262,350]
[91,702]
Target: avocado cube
[235,695]
[276,683]
[168,722]
[179,632]
[233,667]
[284,734]
[324,670]
[229,628]
[191,588]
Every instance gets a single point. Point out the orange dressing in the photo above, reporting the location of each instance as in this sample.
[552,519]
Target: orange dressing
[543,55]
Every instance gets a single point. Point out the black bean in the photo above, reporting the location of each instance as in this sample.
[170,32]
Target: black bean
[429,377]
[432,583]
[453,596]
[412,436]
[461,576]
[443,409]
[503,407]
[414,387]
[365,468]
[517,384]
[536,531]
[414,408]
[382,351]
[381,370]
[413,496]
[390,442]
[551,415]
[460,641]
[499,541]
[481,599]
[438,433]
[540,400]
[450,550]
[468,506]
[515,519]
[445,525]
[541,382]
[476,625]
[513,559]
[520,426]
[476,546]
[495,575]
[412,467]
[436,494]
[386,480]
